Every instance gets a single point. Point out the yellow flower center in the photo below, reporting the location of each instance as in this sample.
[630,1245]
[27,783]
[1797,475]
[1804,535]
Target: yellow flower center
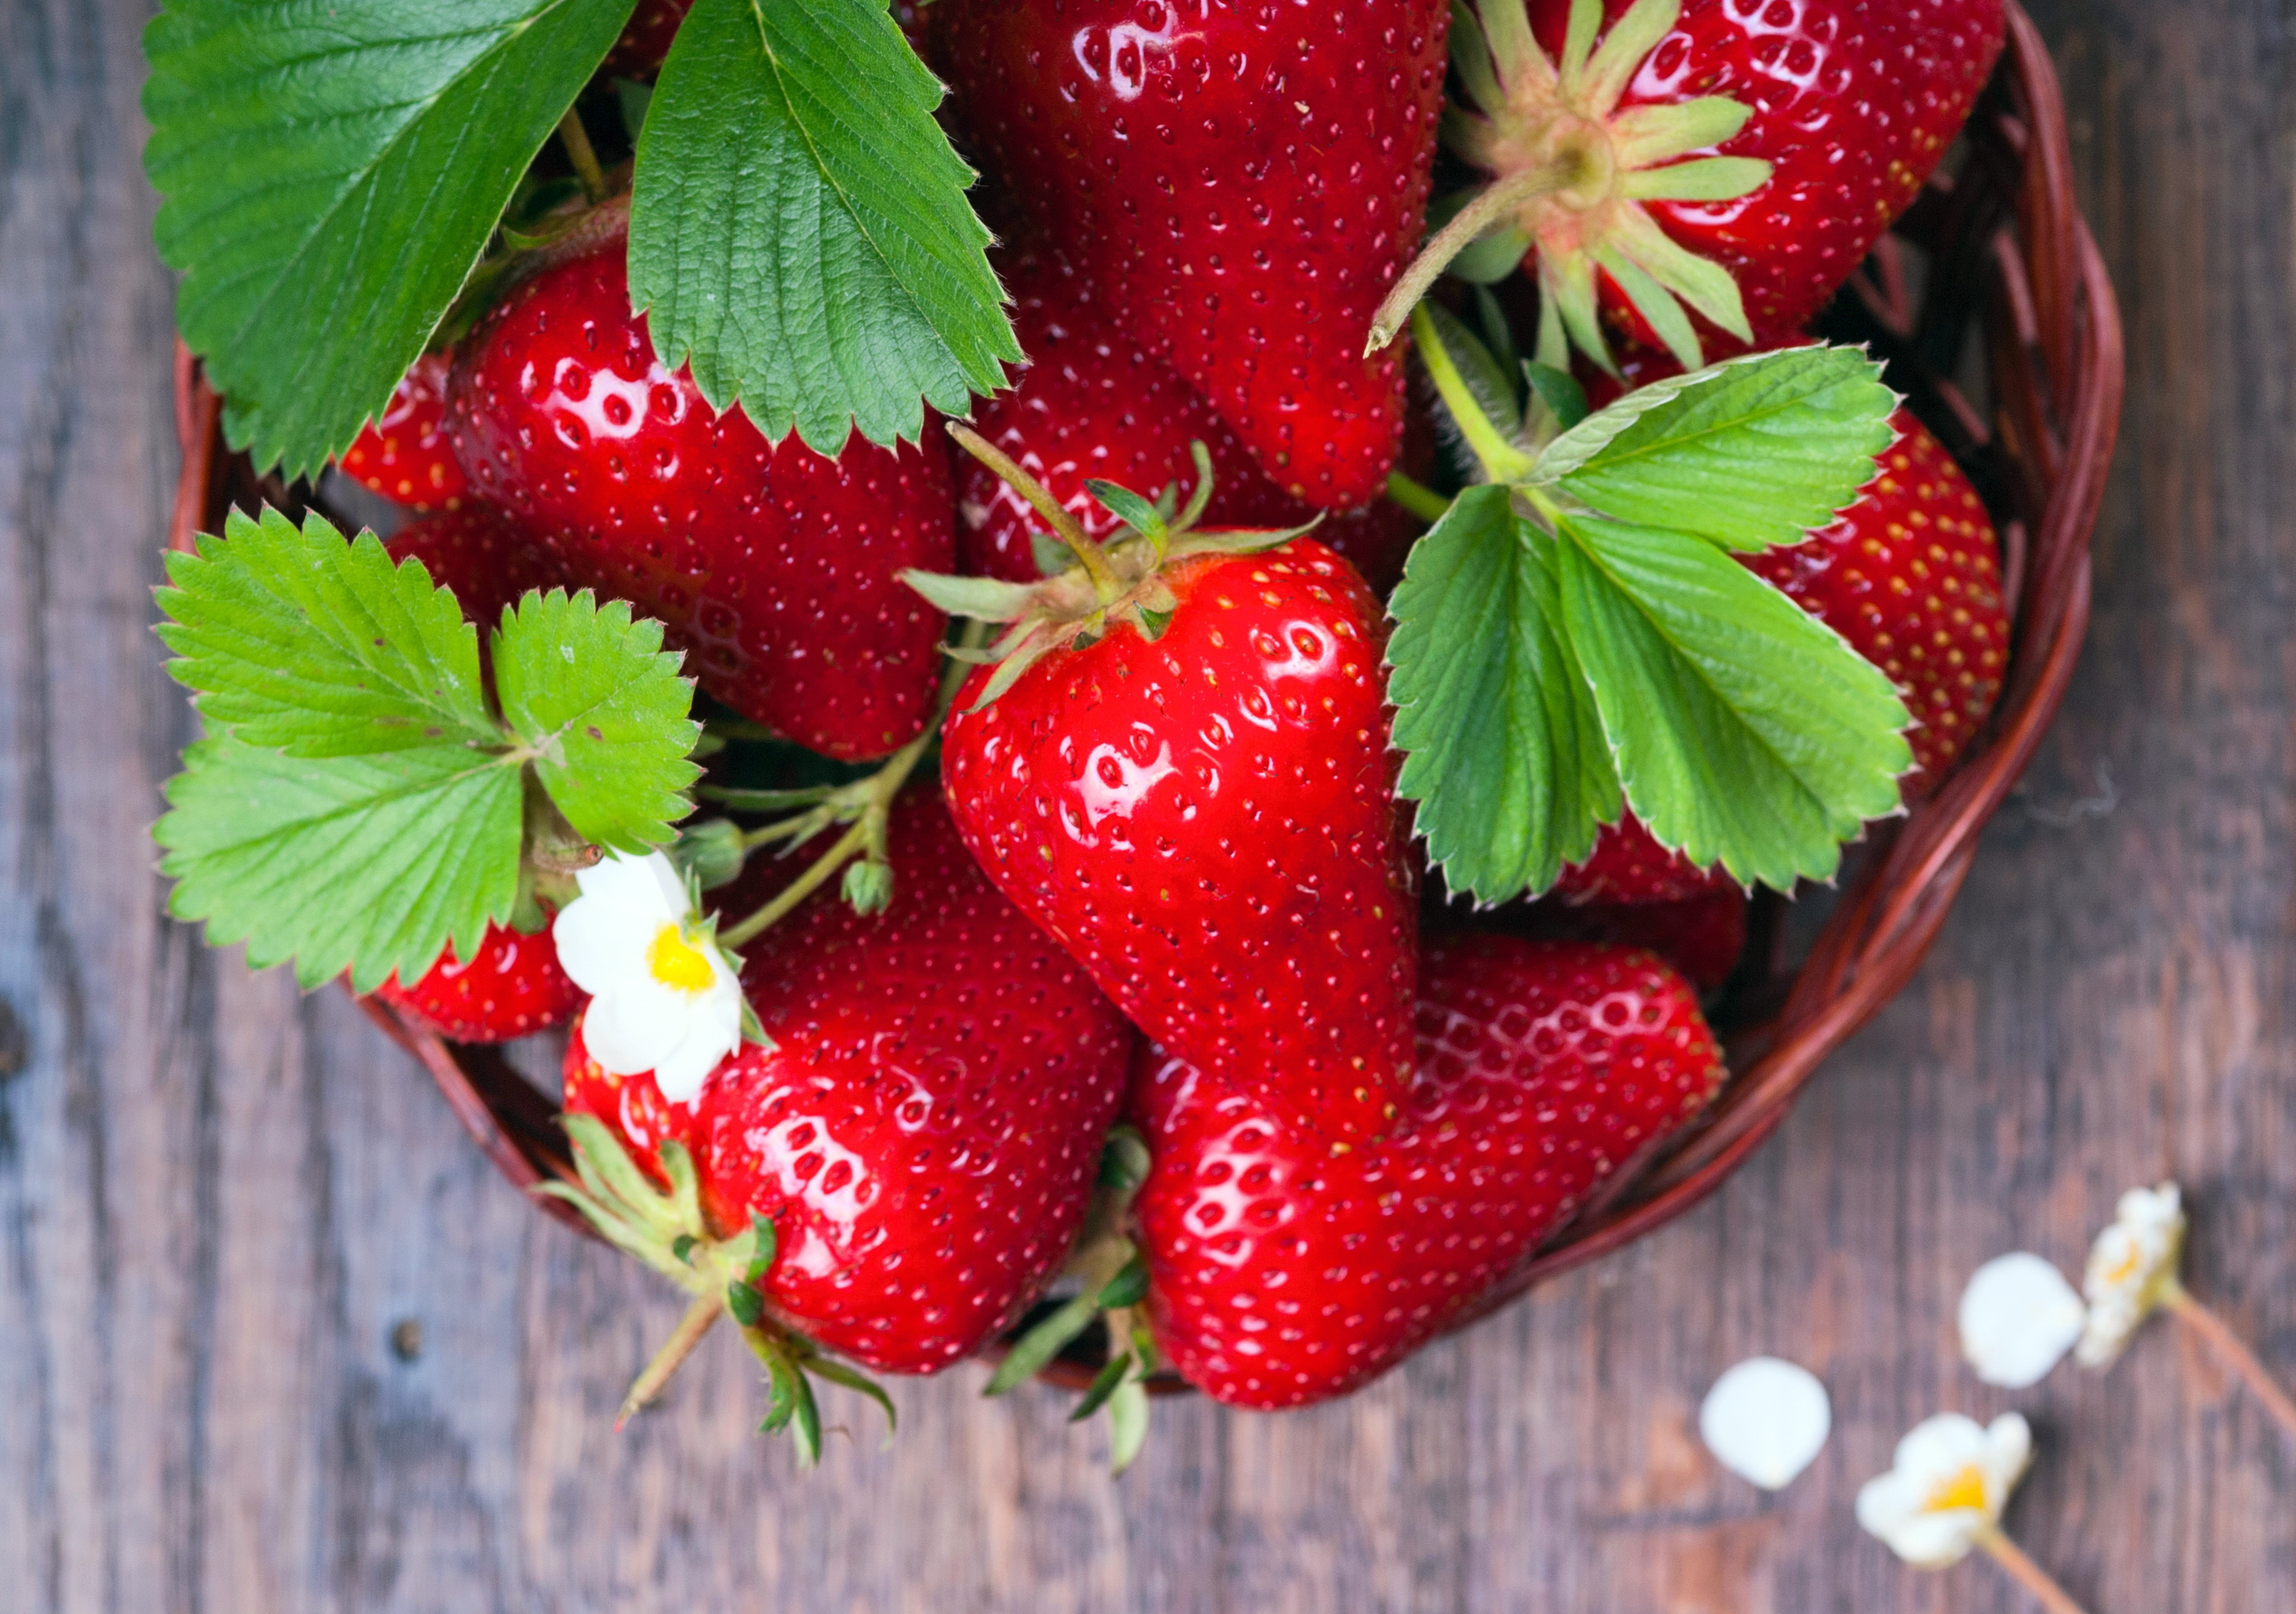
[676,964]
[2121,1271]
[1966,1489]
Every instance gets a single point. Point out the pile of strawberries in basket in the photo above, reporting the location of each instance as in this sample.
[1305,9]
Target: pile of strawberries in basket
[1296,905]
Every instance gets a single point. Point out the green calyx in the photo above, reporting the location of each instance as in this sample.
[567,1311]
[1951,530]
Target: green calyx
[1119,583]
[1571,173]
[1111,1274]
[665,1229]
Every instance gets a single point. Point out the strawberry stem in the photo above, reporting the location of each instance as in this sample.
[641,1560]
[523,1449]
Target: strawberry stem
[1105,583]
[1416,497]
[584,156]
[692,1329]
[1501,460]
[1489,206]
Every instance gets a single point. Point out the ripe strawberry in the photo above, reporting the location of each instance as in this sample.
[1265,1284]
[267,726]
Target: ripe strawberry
[771,565]
[513,989]
[1242,182]
[1628,865]
[632,1107]
[480,553]
[925,1125]
[1207,820]
[404,456]
[1282,1274]
[1734,159]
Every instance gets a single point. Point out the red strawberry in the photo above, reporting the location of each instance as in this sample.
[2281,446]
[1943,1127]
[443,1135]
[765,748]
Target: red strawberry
[513,989]
[1627,865]
[1282,1274]
[1207,820]
[404,456]
[1242,182]
[771,565]
[925,1127]
[1828,115]
[480,553]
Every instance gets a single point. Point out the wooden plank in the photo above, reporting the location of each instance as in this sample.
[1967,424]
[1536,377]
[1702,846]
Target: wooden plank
[221,1204]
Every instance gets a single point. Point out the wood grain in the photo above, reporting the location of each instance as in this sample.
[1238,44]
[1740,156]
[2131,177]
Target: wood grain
[222,1205]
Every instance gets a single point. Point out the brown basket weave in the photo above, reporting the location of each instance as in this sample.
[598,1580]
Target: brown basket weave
[2000,245]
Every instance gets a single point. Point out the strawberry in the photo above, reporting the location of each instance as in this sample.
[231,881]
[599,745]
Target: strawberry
[479,552]
[1628,865]
[404,456]
[1281,1274]
[1243,183]
[1703,936]
[513,989]
[1698,167]
[771,565]
[631,1107]
[924,1126]
[1206,818]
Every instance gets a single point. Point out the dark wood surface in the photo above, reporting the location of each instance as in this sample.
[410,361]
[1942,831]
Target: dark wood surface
[273,1339]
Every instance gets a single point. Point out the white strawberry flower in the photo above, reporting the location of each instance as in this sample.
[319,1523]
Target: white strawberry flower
[2017,1319]
[664,996]
[2132,1269]
[1945,1487]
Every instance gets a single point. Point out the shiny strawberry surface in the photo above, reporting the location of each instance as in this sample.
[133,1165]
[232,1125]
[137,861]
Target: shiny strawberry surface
[513,987]
[1282,1272]
[774,567]
[405,454]
[1208,823]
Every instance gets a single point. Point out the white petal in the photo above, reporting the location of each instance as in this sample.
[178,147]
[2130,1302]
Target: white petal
[2009,1451]
[712,1030]
[1939,1446]
[1766,1420]
[628,1030]
[648,886]
[2019,1317]
[599,943]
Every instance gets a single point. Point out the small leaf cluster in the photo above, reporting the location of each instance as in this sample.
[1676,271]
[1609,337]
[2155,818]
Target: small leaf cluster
[333,177]
[362,797]
[1573,637]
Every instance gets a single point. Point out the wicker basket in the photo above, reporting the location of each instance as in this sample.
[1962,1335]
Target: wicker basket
[2001,246]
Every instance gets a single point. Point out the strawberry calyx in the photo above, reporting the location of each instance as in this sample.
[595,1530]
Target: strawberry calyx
[1571,172]
[665,1229]
[1110,1273]
[1118,582]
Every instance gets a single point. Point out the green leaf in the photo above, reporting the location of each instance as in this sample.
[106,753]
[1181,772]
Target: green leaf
[1034,1351]
[1127,1424]
[1505,754]
[301,642]
[592,695]
[1746,732]
[331,173]
[1748,453]
[798,230]
[1487,380]
[370,862]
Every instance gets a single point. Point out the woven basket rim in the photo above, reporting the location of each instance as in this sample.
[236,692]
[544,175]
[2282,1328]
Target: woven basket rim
[2056,366]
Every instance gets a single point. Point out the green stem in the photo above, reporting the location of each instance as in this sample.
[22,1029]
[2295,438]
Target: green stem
[1489,206]
[579,151]
[804,886]
[692,1329]
[1066,526]
[1416,497]
[1502,461]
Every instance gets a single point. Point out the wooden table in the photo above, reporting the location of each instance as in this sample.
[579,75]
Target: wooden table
[273,1339]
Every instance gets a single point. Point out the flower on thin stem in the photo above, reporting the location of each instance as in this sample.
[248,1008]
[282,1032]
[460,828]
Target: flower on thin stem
[664,996]
[2132,1273]
[1944,1494]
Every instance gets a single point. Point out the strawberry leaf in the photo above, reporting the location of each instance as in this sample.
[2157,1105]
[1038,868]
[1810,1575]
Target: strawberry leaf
[299,642]
[331,173]
[366,863]
[597,702]
[798,230]
[1751,452]
[1745,731]
[1505,754]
